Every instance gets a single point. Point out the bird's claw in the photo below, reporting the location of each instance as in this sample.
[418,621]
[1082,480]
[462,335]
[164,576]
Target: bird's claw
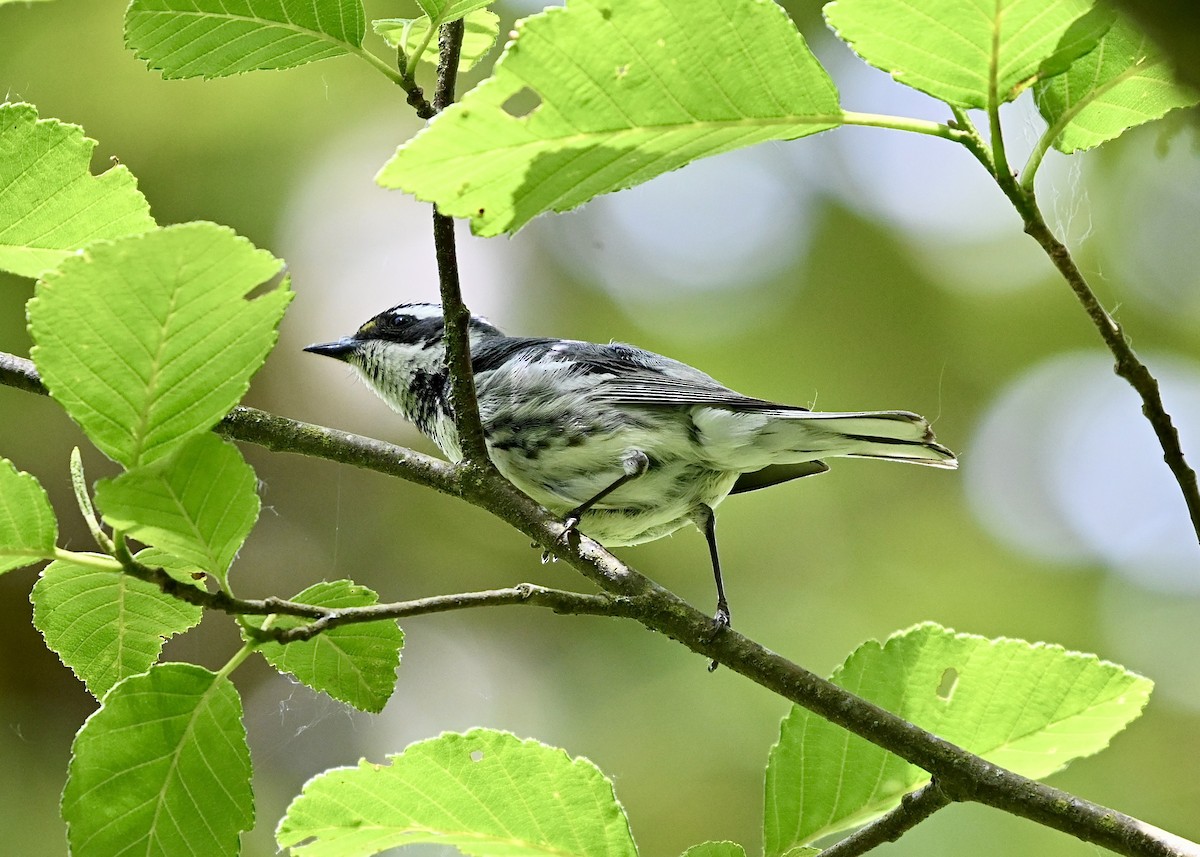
[721,618]
[570,525]
[720,621]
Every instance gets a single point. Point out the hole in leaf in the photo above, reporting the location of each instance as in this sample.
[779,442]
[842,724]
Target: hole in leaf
[521,103]
[268,286]
[946,686]
[476,755]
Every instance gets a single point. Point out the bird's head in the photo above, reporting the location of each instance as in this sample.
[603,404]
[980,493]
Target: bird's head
[401,352]
[411,332]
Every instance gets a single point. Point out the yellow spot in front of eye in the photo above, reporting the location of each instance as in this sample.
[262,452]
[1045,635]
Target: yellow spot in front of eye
[368,327]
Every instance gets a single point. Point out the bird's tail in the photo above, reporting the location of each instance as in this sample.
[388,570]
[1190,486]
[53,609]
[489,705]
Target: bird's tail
[891,435]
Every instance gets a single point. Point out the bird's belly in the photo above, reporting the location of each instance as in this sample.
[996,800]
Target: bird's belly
[648,507]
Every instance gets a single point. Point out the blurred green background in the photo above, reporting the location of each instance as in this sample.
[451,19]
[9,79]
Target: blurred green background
[859,269]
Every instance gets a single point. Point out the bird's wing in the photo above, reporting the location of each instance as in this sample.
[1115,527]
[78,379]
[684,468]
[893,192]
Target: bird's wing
[493,352]
[648,388]
[614,374]
[631,376]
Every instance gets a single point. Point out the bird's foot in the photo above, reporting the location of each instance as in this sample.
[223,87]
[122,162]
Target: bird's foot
[570,525]
[721,620]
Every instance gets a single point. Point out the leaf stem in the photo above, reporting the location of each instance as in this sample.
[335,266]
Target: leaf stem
[391,73]
[410,66]
[1029,172]
[902,123]
[1000,167]
[1068,115]
[97,561]
[239,657]
[999,157]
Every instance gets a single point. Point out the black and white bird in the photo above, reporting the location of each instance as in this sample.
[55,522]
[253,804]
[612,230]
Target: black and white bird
[625,444]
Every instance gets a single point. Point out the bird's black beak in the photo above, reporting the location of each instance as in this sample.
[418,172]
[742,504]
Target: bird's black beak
[340,350]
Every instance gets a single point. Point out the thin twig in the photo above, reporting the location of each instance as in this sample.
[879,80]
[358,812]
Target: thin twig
[20,373]
[416,95]
[963,775]
[1127,365]
[326,618]
[914,808]
[1126,362]
[449,52]
[559,600]
[467,422]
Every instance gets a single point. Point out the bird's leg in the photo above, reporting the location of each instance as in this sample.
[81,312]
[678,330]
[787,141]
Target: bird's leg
[706,519]
[635,464]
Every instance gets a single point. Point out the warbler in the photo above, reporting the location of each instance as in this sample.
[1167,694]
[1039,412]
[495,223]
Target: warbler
[627,445]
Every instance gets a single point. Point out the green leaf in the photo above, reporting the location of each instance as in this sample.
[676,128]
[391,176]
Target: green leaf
[353,663]
[149,340]
[445,11]
[481,28]
[161,768]
[716,849]
[51,204]
[28,528]
[1080,38]
[107,625]
[198,505]
[651,87]
[218,38]
[1030,707]
[487,793]
[970,53]
[1123,83]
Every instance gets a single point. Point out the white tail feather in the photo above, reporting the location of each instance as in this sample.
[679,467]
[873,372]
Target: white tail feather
[891,435]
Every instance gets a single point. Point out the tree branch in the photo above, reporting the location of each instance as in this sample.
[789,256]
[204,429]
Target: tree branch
[280,434]
[962,775]
[914,808]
